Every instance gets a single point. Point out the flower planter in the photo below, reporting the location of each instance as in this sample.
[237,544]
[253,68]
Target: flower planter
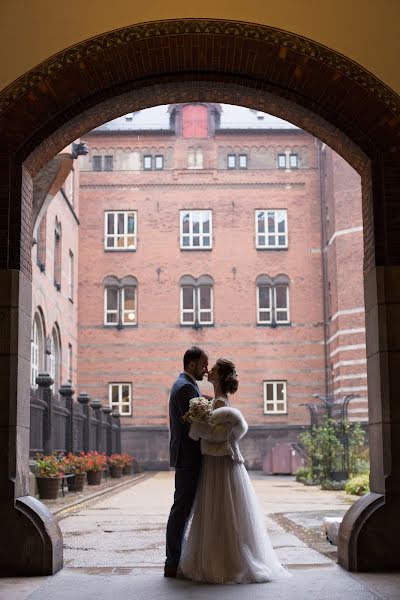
[94,477]
[115,472]
[48,487]
[75,483]
[127,470]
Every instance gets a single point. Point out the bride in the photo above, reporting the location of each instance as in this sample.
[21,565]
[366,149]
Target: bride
[226,541]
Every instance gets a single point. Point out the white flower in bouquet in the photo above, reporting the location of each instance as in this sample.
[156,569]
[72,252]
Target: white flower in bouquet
[200,410]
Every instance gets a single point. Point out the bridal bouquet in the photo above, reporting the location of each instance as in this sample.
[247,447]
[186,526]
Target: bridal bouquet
[200,410]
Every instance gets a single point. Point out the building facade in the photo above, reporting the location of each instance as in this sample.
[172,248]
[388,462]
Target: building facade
[226,228]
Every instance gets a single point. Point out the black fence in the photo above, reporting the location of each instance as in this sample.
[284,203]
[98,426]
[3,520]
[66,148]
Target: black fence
[61,424]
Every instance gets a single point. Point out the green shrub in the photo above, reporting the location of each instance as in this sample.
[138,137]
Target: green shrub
[358,485]
[329,484]
[303,473]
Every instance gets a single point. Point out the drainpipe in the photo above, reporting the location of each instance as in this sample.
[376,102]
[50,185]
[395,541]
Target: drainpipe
[324,262]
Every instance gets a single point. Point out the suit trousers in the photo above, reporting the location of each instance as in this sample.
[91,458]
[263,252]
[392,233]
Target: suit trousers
[185,490]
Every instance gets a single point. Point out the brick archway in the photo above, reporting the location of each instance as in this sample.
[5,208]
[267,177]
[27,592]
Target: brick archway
[238,63]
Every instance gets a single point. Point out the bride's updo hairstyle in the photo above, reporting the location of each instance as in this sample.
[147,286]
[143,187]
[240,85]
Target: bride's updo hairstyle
[227,376]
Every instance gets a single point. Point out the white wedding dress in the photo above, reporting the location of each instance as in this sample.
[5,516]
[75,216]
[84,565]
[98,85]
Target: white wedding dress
[226,540]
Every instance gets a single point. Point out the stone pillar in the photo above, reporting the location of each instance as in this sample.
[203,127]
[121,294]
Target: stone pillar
[116,416]
[369,537]
[84,399]
[96,406]
[45,382]
[34,540]
[107,415]
[67,391]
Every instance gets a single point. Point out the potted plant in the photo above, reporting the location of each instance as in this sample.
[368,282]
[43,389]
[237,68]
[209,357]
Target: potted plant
[128,462]
[117,463]
[95,464]
[49,472]
[75,465]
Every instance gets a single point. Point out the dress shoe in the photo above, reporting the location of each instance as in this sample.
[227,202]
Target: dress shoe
[170,571]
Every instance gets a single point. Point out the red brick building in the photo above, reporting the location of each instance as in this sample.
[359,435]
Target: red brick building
[226,228]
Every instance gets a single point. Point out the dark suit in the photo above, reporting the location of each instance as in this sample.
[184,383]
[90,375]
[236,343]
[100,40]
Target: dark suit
[185,456]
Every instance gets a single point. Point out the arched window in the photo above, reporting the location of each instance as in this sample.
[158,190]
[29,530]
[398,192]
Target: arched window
[37,348]
[197,303]
[120,301]
[57,255]
[273,300]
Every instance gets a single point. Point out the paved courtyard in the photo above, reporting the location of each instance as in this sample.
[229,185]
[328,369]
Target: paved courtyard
[114,547]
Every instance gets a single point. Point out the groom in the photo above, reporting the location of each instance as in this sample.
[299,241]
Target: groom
[185,453]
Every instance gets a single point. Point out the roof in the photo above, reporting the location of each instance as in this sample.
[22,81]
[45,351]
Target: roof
[232,117]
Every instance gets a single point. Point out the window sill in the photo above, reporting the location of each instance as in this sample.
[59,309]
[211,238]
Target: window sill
[186,248]
[119,249]
[274,325]
[269,249]
[116,326]
[193,326]
[276,414]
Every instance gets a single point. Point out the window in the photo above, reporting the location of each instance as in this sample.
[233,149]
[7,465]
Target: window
[57,255]
[197,300]
[196,229]
[271,229]
[37,349]
[120,396]
[71,276]
[159,162]
[97,163]
[70,363]
[288,161]
[41,245]
[231,161]
[120,230]
[195,158]
[273,300]
[281,161]
[275,397]
[100,163]
[150,162]
[120,301]
[242,161]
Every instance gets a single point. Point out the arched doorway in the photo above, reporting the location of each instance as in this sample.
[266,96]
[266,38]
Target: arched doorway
[177,61]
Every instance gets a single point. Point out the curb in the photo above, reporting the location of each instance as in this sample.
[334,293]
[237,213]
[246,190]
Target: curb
[58,512]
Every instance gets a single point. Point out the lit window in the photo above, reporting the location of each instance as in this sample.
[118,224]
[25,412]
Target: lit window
[120,230]
[271,229]
[275,399]
[120,299]
[196,229]
[293,161]
[120,397]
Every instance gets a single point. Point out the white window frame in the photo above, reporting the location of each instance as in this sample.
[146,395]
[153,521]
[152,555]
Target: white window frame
[120,403]
[159,162]
[125,311]
[282,161]
[276,234]
[277,310]
[293,158]
[201,234]
[275,401]
[197,310]
[243,161]
[99,160]
[71,275]
[231,158]
[259,310]
[34,353]
[147,158]
[120,236]
[111,311]
[107,162]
